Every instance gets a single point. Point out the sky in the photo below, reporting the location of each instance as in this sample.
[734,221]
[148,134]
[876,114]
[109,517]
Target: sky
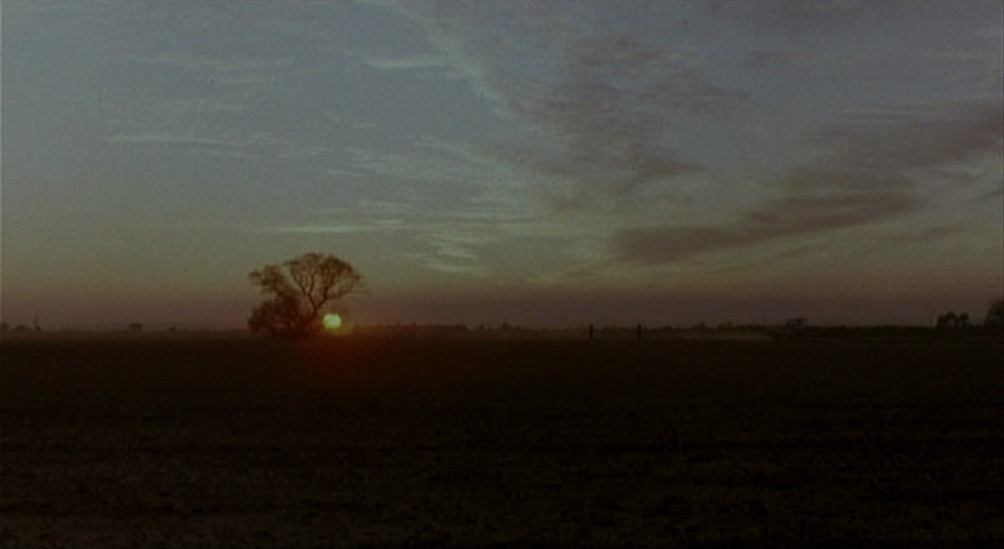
[542,163]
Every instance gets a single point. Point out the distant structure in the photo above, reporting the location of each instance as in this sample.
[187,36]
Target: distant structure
[135,329]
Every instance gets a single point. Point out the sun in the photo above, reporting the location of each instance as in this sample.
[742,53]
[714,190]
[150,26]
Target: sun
[332,322]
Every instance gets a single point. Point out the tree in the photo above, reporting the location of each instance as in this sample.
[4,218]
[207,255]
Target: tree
[297,292]
[995,314]
[948,320]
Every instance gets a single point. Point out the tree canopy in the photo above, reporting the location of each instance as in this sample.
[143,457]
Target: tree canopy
[297,292]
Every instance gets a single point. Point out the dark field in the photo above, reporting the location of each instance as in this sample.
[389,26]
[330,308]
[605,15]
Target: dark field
[388,443]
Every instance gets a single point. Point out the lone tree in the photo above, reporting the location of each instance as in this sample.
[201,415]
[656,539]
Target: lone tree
[297,291]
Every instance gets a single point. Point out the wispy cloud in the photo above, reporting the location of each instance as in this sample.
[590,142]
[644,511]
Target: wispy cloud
[608,116]
[172,137]
[787,217]
[165,138]
[917,134]
[802,15]
[425,61]
[332,228]
[923,235]
[206,63]
[475,179]
[599,102]
[867,175]
[453,251]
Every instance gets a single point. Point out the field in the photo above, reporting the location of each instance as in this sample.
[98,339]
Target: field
[438,443]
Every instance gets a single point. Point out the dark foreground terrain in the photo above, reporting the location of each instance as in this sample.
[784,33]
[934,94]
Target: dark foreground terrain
[389,443]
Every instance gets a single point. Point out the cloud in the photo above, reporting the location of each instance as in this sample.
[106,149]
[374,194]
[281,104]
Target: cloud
[917,134]
[609,115]
[802,15]
[928,234]
[184,116]
[785,217]
[608,118]
[341,228]
[992,194]
[598,102]
[426,168]
[867,174]
[191,62]
[613,118]
[164,138]
[204,123]
[453,252]
[404,63]
[203,142]
[779,59]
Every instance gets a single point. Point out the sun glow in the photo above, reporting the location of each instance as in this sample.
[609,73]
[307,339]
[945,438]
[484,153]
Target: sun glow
[332,322]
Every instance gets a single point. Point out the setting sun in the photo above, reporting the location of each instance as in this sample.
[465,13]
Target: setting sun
[332,322]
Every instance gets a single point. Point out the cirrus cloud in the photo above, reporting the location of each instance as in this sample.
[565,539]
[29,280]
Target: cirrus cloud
[869,173]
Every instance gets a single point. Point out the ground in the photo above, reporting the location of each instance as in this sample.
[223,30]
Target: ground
[388,443]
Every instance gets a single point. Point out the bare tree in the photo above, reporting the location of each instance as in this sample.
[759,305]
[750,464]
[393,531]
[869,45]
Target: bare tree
[297,292]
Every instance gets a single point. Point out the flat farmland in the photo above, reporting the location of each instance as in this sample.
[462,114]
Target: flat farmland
[436,443]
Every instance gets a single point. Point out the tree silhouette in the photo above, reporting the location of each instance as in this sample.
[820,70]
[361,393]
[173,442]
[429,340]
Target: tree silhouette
[297,291]
[948,320]
[995,314]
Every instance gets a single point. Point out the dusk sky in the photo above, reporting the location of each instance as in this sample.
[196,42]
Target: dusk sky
[539,162]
